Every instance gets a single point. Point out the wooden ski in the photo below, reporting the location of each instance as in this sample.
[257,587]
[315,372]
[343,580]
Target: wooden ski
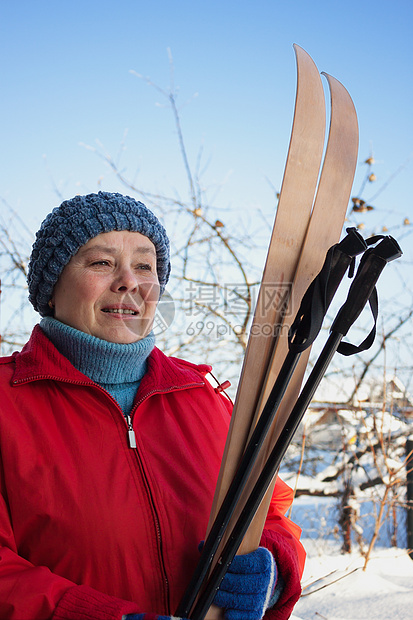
[324,230]
[324,227]
[291,222]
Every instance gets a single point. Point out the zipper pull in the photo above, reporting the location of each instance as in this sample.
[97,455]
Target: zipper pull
[131,432]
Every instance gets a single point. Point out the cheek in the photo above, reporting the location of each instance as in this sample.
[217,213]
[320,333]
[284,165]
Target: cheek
[80,290]
[149,292]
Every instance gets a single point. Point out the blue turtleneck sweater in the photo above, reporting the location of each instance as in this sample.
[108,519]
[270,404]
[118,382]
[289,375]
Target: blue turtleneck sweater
[118,368]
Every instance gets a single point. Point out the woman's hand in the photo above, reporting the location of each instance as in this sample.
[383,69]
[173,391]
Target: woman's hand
[247,588]
[245,591]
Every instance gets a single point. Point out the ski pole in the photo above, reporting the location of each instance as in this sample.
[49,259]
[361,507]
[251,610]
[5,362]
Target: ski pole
[361,291]
[305,328]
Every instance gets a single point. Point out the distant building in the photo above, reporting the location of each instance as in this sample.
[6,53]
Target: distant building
[338,391]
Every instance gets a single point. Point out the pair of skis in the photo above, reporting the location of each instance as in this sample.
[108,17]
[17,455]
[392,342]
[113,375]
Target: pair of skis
[304,330]
[309,219]
[301,236]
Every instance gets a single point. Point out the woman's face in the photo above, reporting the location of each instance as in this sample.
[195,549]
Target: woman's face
[110,288]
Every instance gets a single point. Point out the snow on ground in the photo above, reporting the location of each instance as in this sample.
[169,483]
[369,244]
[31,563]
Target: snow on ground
[336,588]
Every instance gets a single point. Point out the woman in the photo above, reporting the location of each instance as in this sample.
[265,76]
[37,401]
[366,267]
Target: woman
[110,451]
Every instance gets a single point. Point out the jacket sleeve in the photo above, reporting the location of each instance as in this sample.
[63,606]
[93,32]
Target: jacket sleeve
[281,537]
[28,591]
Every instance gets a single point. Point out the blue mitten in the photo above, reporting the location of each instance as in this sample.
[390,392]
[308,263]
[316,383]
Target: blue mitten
[247,588]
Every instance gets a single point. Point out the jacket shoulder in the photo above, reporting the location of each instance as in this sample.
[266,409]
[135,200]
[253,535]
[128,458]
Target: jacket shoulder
[8,359]
[188,372]
[7,370]
[199,371]
[158,359]
[202,369]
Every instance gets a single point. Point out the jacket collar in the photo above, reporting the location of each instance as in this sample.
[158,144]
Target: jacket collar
[39,359]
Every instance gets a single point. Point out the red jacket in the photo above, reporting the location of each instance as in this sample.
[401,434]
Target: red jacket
[87,523]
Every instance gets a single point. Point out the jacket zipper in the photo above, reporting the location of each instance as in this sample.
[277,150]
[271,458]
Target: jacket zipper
[157,527]
[133,444]
[131,432]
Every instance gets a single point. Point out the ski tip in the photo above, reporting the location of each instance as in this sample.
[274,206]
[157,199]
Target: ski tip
[298,47]
[305,64]
[300,51]
[344,111]
[331,78]
[335,84]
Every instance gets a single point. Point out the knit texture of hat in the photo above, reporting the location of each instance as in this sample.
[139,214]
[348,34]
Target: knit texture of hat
[68,227]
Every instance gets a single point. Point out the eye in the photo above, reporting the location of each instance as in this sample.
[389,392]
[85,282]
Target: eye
[145,266]
[99,263]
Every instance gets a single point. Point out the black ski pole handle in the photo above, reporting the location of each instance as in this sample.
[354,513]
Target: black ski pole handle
[371,266]
[363,285]
[316,300]
[361,290]
[345,253]
[310,317]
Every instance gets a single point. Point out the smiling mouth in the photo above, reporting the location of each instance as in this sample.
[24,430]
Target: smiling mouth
[120,311]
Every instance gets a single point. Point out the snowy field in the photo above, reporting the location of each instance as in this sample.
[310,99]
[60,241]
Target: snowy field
[335,587]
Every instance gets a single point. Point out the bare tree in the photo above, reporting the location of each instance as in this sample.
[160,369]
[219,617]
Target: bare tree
[214,282]
[17,316]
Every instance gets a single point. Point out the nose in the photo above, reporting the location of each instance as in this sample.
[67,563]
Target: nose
[125,281]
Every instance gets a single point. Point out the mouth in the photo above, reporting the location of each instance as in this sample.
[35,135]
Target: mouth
[121,311]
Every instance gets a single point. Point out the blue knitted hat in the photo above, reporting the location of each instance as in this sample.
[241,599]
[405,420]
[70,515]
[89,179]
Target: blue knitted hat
[71,225]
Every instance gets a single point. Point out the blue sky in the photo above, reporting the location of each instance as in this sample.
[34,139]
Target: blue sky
[65,71]
[65,80]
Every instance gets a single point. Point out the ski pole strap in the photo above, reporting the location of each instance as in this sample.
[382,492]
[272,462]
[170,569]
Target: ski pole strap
[346,348]
[363,290]
[317,298]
